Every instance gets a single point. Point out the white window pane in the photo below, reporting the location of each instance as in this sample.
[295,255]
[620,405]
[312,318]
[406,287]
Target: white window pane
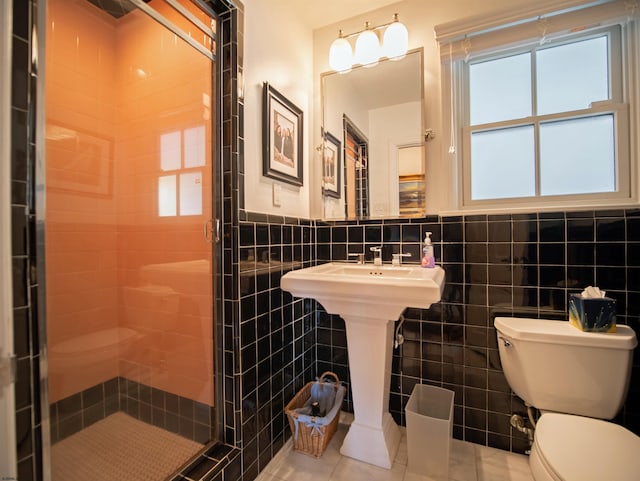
[170,151]
[191,193]
[194,147]
[167,196]
[577,156]
[503,163]
[500,89]
[571,76]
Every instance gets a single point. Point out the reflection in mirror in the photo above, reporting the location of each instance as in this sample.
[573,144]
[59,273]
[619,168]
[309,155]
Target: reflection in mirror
[356,180]
[411,196]
[377,115]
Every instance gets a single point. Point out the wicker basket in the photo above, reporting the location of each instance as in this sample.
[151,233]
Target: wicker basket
[310,440]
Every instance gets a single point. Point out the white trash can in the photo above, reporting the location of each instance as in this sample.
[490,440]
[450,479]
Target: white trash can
[429,430]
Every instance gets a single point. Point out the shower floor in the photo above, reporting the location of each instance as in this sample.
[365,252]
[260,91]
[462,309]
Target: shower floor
[120,447]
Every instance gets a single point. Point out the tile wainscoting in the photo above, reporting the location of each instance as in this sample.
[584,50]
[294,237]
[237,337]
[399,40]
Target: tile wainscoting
[521,265]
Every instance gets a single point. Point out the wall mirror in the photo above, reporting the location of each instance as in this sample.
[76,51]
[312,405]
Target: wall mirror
[376,115]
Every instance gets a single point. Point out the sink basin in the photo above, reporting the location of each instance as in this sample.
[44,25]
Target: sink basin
[365,289]
[369,298]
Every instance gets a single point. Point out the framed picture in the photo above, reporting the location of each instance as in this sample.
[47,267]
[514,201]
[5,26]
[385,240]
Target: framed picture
[81,161]
[331,165]
[411,191]
[281,137]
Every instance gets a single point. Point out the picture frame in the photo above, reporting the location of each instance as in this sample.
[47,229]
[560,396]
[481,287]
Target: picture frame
[331,165]
[83,161]
[282,125]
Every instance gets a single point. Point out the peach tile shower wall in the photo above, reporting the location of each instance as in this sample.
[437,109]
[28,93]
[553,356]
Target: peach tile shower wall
[81,293]
[113,265]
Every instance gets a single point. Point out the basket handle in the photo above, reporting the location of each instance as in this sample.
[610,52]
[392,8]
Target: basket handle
[330,374]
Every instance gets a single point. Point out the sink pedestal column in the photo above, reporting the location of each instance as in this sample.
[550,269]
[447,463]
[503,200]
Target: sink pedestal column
[373,436]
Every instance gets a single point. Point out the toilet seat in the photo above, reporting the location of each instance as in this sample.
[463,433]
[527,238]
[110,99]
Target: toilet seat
[576,448]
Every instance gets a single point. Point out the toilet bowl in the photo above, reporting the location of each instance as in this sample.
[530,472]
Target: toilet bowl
[573,377]
[568,448]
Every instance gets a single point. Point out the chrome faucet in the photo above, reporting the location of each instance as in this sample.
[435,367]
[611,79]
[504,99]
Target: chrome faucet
[377,255]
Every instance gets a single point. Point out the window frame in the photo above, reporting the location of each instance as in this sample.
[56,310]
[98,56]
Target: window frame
[617,105]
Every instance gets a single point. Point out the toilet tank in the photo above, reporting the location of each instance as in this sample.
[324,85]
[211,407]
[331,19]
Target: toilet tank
[554,366]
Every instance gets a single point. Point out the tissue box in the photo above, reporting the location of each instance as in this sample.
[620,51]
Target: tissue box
[592,314]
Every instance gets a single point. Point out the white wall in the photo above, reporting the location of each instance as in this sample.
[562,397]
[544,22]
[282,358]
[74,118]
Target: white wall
[387,133]
[343,101]
[277,49]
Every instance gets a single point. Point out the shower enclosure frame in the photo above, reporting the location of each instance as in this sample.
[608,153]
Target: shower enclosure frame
[8,457]
[217,422]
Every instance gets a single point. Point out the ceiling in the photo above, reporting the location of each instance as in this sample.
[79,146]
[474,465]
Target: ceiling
[320,13]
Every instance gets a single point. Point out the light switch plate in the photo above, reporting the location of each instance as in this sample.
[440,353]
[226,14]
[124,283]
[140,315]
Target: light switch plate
[277,189]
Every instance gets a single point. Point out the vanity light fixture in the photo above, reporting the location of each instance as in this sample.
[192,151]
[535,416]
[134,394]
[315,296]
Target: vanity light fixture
[395,43]
[340,54]
[367,47]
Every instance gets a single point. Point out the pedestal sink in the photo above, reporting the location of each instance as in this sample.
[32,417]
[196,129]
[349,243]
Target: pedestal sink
[369,298]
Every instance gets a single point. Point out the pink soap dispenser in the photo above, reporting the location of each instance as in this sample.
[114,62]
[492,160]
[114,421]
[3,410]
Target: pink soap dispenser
[428,259]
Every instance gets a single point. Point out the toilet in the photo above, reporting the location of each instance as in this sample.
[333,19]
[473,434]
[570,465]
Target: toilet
[577,380]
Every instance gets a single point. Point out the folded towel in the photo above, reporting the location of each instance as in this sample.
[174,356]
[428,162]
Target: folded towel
[327,393]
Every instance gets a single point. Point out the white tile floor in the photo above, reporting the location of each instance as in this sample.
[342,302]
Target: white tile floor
[468,462]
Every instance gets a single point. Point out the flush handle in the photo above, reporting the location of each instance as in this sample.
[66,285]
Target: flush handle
[506,342]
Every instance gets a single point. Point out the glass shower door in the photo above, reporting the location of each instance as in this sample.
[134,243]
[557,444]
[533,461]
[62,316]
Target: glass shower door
[129,159]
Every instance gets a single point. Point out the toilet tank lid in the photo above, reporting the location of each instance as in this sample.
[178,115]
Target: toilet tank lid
[561,332]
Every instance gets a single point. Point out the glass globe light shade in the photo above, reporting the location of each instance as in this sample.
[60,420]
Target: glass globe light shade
[340,55]
[395,42]
[367,48]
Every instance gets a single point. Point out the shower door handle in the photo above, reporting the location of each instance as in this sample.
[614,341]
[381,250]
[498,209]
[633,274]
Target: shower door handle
[208,230]
[211,230]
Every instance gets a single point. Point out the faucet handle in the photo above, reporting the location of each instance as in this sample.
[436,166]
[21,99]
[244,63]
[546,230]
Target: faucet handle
[360,257]
[377,255]
[396,259]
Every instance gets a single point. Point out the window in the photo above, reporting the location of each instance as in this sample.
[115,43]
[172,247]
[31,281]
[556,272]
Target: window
[180,192]
[543,120]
